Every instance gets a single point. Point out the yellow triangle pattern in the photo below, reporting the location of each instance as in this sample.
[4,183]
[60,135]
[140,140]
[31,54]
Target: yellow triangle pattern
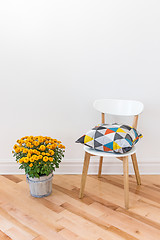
[87,139]
[115,146]
[120,130]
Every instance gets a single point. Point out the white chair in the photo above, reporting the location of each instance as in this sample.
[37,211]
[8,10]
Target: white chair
[121,108]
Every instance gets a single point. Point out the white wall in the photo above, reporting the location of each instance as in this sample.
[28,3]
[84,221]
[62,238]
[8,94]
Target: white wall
[57,57]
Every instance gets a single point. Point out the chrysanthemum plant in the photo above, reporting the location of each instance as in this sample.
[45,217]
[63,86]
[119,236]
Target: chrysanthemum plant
[38,155]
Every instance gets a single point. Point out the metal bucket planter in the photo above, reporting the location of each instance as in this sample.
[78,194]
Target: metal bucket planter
[40,187]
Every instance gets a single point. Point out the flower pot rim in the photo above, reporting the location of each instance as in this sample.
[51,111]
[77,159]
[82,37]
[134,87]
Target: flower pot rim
[40,179]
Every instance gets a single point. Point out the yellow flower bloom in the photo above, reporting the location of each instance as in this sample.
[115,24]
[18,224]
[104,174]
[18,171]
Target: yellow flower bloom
[39,162]
[30,151]
[25,150]
[38,153]
[51,152]
[17,150]
[28,155]
[61,146]
[48,138]
[53,146]
[30,139]
[42,148]
[31,164]
[20,141]
[35,157]
[47,154]
[15,146]
[28,144]
[36,143]
[23,138]
[45,159]
[26,159]
[43,153]
[31,159]
[48,146]
[50,159]
[40,156]
[40,139]
[21,160]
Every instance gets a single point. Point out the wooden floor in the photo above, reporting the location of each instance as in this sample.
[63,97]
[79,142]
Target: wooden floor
[63,216]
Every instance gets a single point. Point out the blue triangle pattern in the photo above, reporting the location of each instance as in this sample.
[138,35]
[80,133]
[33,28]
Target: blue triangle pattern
[109,145]
[135,132]
[129,141]
[114,129]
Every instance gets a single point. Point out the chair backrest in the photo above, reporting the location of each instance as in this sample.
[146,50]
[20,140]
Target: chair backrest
[120,108]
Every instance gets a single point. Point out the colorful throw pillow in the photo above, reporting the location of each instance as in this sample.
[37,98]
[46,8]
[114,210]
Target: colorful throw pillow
[113,138]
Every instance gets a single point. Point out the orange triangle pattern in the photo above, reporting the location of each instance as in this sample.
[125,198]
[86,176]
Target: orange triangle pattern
[108,131]
[106,149]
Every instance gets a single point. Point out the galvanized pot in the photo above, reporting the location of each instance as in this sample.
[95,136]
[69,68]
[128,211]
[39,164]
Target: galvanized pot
[40,187]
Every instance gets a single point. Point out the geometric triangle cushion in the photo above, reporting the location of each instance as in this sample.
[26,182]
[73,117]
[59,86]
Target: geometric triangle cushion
[115,138]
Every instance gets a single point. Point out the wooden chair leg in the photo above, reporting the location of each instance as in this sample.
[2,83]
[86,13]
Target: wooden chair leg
[84,174]
[126,182]
[100,167]
[135,165]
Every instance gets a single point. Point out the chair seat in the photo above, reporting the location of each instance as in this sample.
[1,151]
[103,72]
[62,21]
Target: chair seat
[106,154]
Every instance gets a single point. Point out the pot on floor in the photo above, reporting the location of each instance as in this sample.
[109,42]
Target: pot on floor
[40,187]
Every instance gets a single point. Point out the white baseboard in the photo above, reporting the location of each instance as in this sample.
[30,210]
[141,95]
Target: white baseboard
[74,166]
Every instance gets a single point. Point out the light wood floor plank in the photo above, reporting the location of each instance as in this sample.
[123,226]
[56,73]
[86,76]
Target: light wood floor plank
[100,215]
[13,178]
[18,234]
[4,236]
